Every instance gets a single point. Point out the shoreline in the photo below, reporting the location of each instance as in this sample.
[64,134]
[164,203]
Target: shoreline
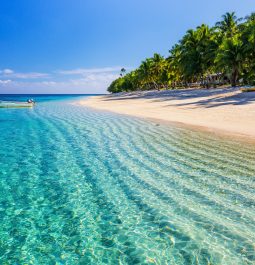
[228,135]
[227,112]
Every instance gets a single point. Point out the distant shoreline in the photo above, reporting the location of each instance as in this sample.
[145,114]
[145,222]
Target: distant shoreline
[227,111]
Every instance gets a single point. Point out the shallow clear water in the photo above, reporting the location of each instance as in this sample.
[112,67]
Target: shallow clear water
[79,186]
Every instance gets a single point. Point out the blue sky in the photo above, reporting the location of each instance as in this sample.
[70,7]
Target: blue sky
[79,46]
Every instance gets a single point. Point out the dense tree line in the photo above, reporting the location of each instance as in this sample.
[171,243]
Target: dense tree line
[206,56]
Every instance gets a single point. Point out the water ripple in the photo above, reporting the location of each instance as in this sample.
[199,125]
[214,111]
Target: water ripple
[80,186]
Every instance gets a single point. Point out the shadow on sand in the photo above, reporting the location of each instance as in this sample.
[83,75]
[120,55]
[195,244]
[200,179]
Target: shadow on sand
[207,98]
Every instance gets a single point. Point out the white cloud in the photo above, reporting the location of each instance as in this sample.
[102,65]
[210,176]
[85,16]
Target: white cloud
[91,84]
[4,82]
[30,75]
[7,71]
[84,80]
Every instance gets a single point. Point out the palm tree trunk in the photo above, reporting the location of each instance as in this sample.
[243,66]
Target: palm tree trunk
[234,77]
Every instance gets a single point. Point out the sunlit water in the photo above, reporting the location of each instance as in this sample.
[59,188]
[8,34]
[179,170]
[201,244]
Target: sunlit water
[79,186]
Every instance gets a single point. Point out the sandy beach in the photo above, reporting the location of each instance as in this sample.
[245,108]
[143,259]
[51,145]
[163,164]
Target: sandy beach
[225,110]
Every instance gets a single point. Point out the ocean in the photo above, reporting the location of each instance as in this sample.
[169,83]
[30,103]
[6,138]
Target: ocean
[81,186]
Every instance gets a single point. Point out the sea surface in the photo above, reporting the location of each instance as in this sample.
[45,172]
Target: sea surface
[80,186]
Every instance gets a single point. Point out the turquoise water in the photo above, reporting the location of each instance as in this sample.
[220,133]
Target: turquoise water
[80,186]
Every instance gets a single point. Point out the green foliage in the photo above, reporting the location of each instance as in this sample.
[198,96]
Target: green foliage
[229,24]
[226,50]
[248,39]
[230,57]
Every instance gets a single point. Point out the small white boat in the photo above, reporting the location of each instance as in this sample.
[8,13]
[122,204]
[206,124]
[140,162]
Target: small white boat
[16,104]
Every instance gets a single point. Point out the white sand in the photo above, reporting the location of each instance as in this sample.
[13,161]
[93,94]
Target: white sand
[226,110]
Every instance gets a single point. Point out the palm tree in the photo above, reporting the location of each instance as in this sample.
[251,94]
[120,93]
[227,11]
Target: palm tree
[249,34]
[251,17]
[230,58]
[189,57]
[144,72]
[157,67]
[229,24]
[248,39]
[122,72]
[193,56]
[172,66]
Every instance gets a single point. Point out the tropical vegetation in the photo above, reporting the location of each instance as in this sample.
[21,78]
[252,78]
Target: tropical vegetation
[206,56]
